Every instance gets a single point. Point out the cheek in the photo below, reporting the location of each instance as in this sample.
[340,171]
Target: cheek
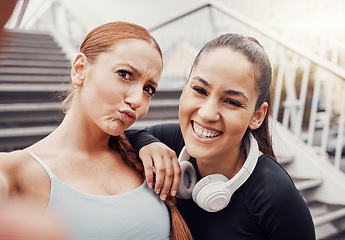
[184,106]
[145,104]
[239,121]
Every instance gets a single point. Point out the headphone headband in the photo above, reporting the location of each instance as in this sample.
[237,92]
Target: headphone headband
[214,191]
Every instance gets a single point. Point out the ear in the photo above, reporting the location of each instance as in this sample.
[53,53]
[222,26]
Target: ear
[78,69]
[258,117]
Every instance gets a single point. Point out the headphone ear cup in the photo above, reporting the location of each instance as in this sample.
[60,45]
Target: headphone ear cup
[208,195]
[188,180]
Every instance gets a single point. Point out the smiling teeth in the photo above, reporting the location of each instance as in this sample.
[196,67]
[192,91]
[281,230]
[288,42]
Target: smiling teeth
[203,132]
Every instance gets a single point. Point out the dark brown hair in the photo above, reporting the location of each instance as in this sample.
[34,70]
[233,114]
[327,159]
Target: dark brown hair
[256,55]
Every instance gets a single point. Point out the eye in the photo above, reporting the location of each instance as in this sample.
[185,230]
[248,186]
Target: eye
[125,74]
[233,102]
[149,90]
[199,90]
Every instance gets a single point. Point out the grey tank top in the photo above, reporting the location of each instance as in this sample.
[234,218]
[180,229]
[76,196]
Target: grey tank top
[138,214]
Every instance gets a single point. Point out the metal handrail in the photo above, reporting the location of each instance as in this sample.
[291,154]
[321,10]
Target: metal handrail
[59,14]
[291,58]
[264,31]
[301,58]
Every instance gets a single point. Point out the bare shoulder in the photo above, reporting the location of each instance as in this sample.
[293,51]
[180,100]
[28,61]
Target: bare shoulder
[11,166]
[12,159]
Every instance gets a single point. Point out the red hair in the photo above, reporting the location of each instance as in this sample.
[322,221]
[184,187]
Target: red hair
[102,38]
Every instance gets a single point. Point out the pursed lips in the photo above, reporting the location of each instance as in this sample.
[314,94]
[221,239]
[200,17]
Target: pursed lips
[128,116]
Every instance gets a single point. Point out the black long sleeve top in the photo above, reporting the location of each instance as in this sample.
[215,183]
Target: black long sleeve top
[266,206]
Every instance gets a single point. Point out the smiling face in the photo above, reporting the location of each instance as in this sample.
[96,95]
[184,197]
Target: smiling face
[217,106]
[116,88]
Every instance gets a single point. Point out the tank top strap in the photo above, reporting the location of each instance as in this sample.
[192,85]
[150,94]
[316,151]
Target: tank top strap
[43,164]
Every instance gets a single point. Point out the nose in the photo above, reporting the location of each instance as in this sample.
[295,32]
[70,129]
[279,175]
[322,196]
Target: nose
[134,97]
[209,111]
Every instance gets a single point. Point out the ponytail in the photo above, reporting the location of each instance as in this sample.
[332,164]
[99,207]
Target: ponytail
[179,228]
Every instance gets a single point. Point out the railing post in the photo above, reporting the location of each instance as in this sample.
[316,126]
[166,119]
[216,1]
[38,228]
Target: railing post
[315,100]
[328,111]
[302,97]
[21,13]
[338,150]
[279,85]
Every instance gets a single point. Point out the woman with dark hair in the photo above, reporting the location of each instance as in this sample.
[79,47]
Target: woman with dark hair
[231,186]
[85,170]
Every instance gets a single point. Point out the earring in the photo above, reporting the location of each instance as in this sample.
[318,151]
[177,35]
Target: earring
[74,86]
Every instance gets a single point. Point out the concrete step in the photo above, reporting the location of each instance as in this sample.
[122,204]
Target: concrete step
[34,63]
[33,56]
[17,49]
[167,94]
[17,79]
[307,184]
[307,187]
[38,43]
[21,114]
[19,138]
[12,88]
[28,131]
[30,93]
[329,217]
[23,35]
[34,70]
[329,220]
[285,160]
[28,107]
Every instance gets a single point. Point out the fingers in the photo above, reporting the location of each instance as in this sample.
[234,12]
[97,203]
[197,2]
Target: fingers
[164,176]
[177,176]
[159,159]
[148,169]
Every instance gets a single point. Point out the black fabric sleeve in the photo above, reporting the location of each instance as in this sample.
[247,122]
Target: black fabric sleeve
[139,138]
[277,205]
[169,134]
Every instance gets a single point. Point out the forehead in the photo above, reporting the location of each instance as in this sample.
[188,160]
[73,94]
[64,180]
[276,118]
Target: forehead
[225,66]
[138,53]
[135,46]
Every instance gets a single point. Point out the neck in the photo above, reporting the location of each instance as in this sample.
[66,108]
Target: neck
[76,134]
[225,165]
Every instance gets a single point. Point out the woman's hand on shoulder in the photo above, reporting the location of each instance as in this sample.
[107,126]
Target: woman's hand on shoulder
[160,160]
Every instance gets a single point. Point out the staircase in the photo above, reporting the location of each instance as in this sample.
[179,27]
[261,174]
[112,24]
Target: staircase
[317,180]
[33,70]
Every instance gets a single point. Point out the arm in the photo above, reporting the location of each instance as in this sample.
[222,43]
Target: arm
[278,206]
[156,146]
[292,219]
[169,134]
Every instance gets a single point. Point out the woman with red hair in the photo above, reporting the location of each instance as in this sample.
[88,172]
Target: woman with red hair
[85,170]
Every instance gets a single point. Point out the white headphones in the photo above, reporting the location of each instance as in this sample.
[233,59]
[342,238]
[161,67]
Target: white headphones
[213,192]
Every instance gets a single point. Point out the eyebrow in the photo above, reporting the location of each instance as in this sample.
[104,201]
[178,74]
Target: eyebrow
[153,83]
[236,93]
[227,92]
[138,72]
